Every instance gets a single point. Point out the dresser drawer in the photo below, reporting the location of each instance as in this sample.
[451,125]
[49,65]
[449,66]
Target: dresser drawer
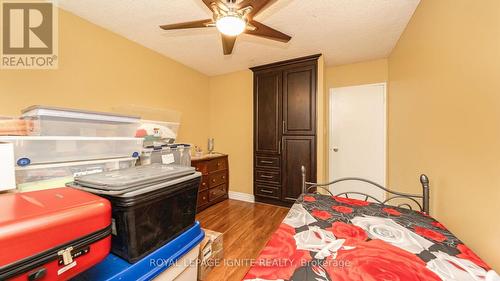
[217,164]
[267,191]
[267,162]
[202,198]
[273,177]
[217,192]
[217,178]
[204,183]
[201,167]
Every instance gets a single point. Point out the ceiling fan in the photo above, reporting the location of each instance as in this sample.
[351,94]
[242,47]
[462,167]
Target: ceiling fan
[232,18]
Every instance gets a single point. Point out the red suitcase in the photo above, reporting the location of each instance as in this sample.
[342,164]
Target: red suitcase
[52,234]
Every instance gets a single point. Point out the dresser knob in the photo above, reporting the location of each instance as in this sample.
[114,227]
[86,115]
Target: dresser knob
[204,183]
[213,180]
[223,177]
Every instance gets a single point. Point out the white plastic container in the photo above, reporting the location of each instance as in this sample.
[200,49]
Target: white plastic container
[45,176]
[179,154]
[52,121]
[7,175]
[43,150]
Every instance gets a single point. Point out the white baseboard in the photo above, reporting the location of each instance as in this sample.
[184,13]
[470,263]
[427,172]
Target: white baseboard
[241,196]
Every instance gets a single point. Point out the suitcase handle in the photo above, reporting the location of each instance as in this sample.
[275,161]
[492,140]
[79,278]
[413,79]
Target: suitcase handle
[38,274]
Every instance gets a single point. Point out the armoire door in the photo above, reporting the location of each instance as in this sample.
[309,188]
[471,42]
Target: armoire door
[298,151]
[267,103]
[299,100]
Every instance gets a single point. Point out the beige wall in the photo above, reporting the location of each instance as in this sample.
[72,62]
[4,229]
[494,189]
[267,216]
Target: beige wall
[99,70]
[369,72]
[444,116]
[231,124]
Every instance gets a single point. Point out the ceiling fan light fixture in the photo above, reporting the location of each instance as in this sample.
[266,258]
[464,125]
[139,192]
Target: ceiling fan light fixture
[231,25]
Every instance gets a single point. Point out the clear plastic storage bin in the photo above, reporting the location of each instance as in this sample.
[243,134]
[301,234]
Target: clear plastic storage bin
[146,156]
[42,150]
[179,154]
[51,121]
[157,133]
[38,177]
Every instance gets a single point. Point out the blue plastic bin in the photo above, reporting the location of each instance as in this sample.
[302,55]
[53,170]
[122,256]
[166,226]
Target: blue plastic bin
[115,268]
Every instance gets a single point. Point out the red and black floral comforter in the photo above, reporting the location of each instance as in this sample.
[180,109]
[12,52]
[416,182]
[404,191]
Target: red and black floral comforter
[332,238]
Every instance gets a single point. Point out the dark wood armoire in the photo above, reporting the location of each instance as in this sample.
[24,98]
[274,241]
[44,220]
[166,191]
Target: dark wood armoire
[284,128]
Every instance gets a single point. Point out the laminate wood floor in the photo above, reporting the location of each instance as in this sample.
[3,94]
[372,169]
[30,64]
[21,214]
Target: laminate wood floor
[246,228]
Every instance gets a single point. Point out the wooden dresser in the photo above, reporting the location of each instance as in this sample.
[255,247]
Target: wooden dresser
[215,180]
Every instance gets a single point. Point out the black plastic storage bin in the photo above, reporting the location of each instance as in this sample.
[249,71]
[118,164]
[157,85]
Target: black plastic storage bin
[145,219]
[145,223]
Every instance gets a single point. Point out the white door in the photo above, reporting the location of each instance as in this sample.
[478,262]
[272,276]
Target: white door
[358,138]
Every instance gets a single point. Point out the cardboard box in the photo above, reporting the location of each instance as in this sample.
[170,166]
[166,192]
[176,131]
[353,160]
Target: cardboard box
[15,127]
[211,252]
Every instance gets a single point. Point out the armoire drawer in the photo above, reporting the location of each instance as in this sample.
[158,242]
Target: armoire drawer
[217,192]
[217,178]
[267,191]
[273,177]
[267,162]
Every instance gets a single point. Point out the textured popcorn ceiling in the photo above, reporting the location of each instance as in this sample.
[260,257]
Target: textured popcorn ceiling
[345,31]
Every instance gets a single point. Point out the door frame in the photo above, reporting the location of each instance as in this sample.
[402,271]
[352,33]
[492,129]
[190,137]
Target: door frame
[330,127]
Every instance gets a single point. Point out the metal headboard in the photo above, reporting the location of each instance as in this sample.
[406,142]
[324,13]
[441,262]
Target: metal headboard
[415,198]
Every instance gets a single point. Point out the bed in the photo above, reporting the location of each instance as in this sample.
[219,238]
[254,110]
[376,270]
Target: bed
[326,237]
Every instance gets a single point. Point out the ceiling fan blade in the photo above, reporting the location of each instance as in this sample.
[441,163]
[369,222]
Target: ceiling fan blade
[218,4]
[228,44]
[208,3]
[190,24]
[257,6]
[265,31]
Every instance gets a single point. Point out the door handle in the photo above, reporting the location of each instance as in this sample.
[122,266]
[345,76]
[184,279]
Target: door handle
[335,149]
